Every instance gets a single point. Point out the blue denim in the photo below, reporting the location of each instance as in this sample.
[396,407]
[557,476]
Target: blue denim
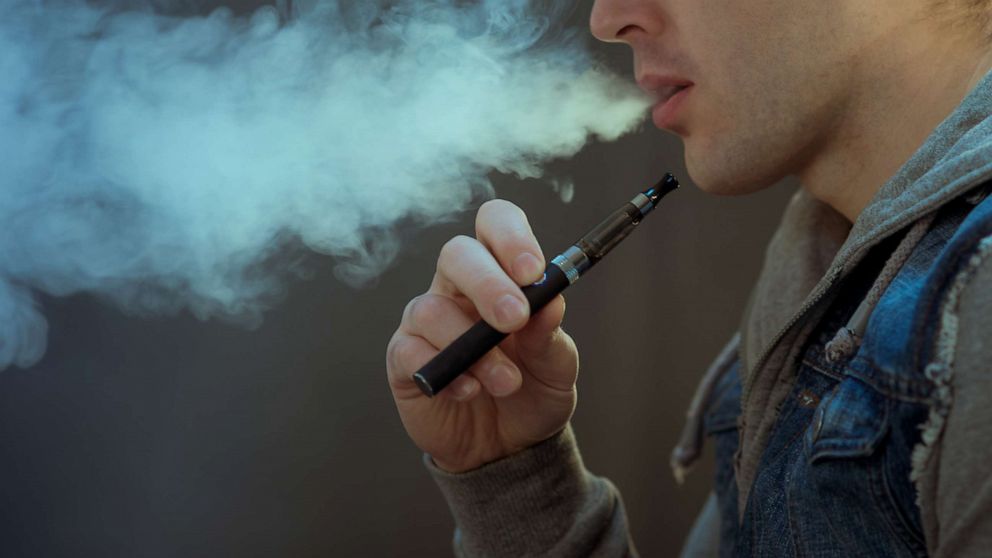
[834,479]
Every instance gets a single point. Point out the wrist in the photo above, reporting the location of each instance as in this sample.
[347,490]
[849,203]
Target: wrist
[451,468]
[462,466]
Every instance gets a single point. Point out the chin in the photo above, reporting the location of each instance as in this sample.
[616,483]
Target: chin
[723,175]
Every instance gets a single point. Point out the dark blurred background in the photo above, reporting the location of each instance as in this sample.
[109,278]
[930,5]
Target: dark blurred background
[173,437]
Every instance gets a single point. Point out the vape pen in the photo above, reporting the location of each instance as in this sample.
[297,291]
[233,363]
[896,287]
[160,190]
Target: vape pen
[563,270]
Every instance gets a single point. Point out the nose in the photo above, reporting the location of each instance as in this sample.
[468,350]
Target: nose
[618,21]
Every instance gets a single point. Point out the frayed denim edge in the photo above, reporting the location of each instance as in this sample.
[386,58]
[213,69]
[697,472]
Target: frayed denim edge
[940,370]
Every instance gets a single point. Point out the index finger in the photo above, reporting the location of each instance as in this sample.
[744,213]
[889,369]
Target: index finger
[502,227]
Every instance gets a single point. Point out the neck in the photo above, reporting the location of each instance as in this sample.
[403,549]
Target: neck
[905,91]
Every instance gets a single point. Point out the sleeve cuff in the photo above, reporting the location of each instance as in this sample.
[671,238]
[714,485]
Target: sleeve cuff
[526,500]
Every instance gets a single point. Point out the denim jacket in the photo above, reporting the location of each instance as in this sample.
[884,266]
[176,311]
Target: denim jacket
[836,477]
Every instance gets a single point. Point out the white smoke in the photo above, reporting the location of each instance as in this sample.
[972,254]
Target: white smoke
[157,161]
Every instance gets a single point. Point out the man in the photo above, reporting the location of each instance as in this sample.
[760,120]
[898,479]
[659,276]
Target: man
[852,417]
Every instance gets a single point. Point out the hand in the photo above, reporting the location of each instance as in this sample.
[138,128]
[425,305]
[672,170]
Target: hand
[518,394]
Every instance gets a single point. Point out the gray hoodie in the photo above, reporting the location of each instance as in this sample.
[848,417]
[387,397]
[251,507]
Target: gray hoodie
[543,502]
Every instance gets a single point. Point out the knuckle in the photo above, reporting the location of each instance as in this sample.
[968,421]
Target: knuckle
[561,337]
[392,353]
[513,239]
[494,285]
[399,353]
[425,310]
[455,249]
[408,311]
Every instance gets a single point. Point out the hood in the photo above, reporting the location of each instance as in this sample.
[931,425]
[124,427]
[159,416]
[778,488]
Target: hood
[815,246]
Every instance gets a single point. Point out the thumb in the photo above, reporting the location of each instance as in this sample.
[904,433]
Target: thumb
[545,350]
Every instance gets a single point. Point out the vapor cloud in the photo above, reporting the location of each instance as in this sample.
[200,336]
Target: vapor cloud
[156,160]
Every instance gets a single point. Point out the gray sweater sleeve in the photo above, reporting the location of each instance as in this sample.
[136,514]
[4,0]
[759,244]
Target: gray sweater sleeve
[539,502]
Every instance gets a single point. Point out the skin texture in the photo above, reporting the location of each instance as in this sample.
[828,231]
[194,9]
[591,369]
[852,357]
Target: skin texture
[838,93]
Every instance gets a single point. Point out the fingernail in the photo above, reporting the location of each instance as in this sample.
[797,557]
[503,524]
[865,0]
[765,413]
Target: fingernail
[510,310]
[527,268]
[502,380]
[463,390]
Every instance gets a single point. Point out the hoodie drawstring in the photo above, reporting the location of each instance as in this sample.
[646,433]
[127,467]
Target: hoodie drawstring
[848,338]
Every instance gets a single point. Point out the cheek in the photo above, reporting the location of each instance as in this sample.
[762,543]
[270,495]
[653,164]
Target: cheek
[766,94]
[733,149]
[749,150]
[753,126]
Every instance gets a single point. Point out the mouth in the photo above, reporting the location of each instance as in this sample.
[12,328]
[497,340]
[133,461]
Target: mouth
[661,85]
[664,94]
[668,93]
[665,113]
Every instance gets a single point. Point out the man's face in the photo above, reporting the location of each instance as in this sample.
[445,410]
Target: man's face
[770,79]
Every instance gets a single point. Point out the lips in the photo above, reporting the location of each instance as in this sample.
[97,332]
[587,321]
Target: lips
[658,84]
[668,91]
